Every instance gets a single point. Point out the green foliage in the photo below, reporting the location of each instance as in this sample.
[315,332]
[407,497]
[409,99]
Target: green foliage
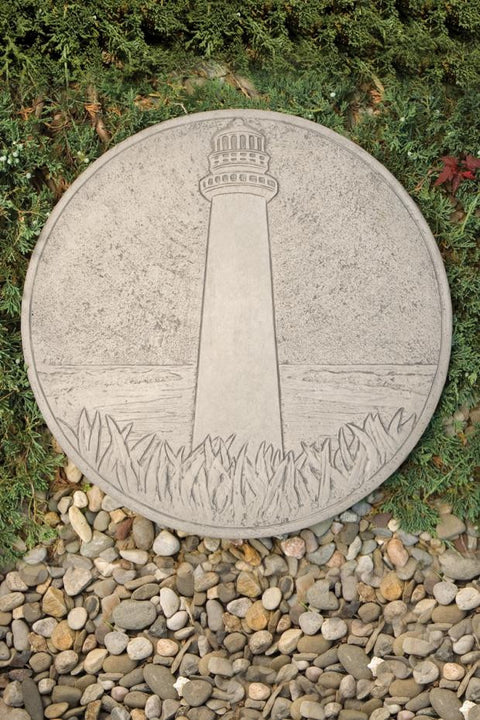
[399,77]
[47,42]
[440,467]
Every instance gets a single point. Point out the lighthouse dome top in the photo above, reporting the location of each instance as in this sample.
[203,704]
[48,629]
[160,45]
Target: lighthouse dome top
[237,135]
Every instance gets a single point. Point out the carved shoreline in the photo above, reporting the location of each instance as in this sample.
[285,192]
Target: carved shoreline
[266,486]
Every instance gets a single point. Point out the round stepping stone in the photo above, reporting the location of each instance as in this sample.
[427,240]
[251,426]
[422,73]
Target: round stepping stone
[237,323]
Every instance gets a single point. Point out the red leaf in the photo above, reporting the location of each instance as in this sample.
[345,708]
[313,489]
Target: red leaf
[456,182]
[468,175]
[447,174]
[471,162]
[450,161]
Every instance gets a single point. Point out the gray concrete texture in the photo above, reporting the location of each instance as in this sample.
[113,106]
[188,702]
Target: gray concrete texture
[239,318]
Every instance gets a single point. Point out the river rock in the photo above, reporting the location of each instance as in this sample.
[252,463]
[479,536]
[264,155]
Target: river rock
[449,527]
[288,641]
[20,631]
[334,628]
[53,603]
[468,598]
[260,641]
[160,680]
[196,692]
[271,598]
[256,616]
[13,695]
[417,646]
[63,637]
[166,544]
[134,614]
[10,601]
[444,592]
[446,704]
[94,660]
[139,648]
[397,553]
[65,661]
[355,661]
[77,617]
[143,532]
[32,699]
[97,545]
[310,622]
[75,580]
[116,642]
[391,587]
[80,524]
[169,601]
[425,672]
[248,585]
[33,575]
[312,710]
[460,567]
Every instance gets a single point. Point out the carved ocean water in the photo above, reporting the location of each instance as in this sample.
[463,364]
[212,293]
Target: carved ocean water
[315,400]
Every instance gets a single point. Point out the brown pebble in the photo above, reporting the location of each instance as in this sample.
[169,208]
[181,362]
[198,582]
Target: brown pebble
[257,617]
[63,636]
[397,553]
[391,587]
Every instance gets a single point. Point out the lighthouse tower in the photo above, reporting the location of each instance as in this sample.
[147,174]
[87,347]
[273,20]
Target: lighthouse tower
[237,381]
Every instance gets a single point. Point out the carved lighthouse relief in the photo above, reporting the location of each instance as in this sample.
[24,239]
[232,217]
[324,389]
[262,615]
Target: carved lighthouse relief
[238,391]
[246,367]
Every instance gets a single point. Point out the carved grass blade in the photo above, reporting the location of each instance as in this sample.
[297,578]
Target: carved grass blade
[385,445]
[347,457]
[395,422]
[361,471]
[144,448]
[69,433]
[125,469]
[367,443]
[83,432]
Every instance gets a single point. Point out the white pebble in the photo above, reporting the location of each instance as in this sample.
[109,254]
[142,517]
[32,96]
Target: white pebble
[334,628]
[79,524]
[374,663]
[177,621]
[310,622]
[444,592]
[74,475]
[271,598]
[166,544]
[468,598]
[116,642]
[139,648]
[166,647]
[137,557]
[94,660]
[169,601]
[80,499]
[258,691]
[46,685]
[77,617]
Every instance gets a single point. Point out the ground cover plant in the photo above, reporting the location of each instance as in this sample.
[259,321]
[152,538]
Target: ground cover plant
[399,77]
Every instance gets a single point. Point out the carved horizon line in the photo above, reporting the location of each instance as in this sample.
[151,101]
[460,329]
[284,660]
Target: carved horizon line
[282,365]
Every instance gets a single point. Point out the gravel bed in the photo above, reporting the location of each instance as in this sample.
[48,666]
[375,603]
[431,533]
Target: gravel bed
[351,619]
